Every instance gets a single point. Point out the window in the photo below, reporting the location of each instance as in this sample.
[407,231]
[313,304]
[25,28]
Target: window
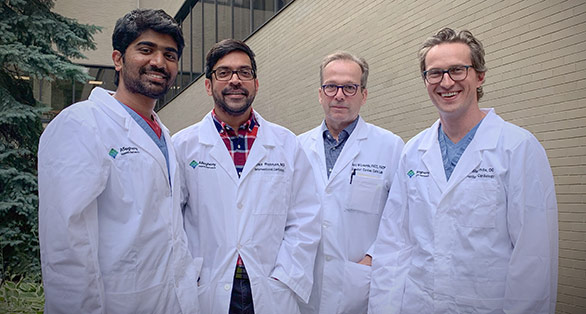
[205,22]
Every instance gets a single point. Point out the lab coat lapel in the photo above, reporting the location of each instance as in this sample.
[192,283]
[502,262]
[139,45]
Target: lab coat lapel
[263,142]
[351,149]
[486,137]
[210,136]
[135,133]
[139,137]
[469,160]
[170,150]
[432,157]
[317,154]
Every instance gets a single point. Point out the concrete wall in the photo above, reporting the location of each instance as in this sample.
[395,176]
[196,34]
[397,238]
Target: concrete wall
[536,55]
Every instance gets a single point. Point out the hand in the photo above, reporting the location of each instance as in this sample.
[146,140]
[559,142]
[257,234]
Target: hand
[367,260]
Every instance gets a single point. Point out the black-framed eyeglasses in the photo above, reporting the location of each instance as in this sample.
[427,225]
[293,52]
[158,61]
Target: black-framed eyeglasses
[332,89]
[225,74]
[456,73]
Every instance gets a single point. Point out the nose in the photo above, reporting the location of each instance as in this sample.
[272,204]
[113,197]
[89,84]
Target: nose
[235,79]
[446,80]
[158,59]
[339,94]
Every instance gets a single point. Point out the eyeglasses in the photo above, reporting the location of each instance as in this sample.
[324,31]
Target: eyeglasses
[225,74]
[332,89]
[456,73]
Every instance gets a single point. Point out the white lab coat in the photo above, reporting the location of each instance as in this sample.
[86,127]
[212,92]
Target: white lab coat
[269,216]
[110,227]
[485,241]
[350,213]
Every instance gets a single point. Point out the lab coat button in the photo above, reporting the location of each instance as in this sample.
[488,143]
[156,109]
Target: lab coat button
[328,258]
[239,205]
[239,246]
[329,191]
[325,225]
[227,287]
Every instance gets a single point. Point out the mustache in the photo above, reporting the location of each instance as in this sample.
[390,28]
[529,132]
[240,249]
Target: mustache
[238,91]
[144,70]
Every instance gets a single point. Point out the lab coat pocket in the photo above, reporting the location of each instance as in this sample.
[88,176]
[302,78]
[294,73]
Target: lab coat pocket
[479,305]
[283,297]
[157,299]
[273,197]
[355,289]
[478,205]
[365,194]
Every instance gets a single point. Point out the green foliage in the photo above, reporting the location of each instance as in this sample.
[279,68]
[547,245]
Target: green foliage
[37,44]
[23,296]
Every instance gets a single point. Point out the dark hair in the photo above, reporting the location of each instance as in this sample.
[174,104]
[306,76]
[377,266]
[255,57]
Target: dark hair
[224,47]
[129,27]
[448,35]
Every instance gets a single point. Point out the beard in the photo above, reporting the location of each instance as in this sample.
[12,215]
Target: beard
[149,89]
[220,101]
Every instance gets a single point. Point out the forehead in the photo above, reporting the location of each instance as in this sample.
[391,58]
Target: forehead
[448,54]
[234,59]
[342,69]
[159,39]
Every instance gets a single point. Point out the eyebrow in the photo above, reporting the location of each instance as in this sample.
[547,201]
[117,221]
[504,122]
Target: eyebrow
[152,44]
[248,67]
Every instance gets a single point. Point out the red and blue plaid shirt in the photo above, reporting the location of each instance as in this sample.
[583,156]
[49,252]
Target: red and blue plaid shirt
[238,144]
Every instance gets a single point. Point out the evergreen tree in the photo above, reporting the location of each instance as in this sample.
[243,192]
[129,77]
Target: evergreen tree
[35,43]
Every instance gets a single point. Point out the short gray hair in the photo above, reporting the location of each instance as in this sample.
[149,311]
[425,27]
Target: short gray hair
[344,55]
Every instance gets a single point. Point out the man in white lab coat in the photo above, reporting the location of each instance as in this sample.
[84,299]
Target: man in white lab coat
[110,224]
[470,225]
[353,163]
[250,207]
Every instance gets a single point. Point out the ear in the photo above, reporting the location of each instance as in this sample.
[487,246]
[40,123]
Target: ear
[256,84]
[118,59]
[320,95]
[364,96]
[480,79]
[208,84]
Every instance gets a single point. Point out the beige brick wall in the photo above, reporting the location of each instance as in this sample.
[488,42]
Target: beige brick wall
[105,13]
[536,55]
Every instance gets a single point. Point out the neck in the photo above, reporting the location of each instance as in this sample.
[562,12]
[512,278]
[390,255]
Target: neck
[336,128]
[233,121]
[456,127]
[140,103]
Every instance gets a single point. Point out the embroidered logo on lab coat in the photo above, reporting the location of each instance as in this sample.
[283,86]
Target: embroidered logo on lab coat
[418,173]
[128,150]
[113,153]
[202,164]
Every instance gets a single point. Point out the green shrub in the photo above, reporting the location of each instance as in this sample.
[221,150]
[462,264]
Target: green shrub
[23,296]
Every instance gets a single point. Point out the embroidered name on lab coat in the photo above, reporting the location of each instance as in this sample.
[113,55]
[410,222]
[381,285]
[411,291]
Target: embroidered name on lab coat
[482,173]
[270,166]
[369,168]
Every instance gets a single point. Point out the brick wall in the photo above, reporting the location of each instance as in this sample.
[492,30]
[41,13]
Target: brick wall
[536,55]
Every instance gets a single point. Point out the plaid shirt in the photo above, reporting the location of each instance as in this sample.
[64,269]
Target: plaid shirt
[238,145]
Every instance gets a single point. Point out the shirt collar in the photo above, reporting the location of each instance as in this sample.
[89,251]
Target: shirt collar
[222,126]
[346,132]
